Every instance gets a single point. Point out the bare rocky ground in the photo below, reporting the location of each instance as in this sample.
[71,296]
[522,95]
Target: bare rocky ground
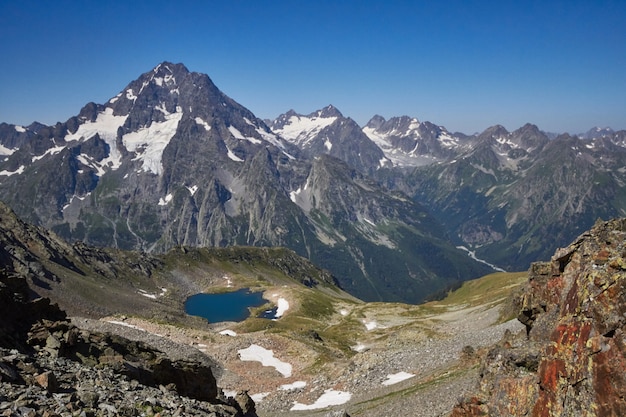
[439,346]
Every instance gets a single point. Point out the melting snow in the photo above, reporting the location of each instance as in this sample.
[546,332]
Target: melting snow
[229,282]
[167,199]
[295,385]
[359,347]
[399,377]
[283,305]
[202,123]
[257,398]
[150,142]
[271,138]
[266,357]
[237,135]
[86,160]
[114,99]
[370,325]
[9,173]
[330,397]
[6,151]
[51,151]
[294,194]
[228,333]
[232,155]
[153,296]
[162,109]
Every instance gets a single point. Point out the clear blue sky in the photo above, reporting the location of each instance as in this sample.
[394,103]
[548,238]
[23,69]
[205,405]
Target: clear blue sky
[466,65]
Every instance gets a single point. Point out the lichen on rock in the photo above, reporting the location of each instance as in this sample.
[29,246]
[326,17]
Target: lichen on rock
[572,360]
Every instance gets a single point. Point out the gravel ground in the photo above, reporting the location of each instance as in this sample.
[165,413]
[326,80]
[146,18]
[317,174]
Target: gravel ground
[438,383]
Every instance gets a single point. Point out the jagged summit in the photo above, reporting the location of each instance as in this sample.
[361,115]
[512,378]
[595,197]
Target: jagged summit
[327,131]
[328,111]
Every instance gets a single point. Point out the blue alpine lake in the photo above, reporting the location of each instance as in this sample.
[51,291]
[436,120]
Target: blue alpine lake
[229,306]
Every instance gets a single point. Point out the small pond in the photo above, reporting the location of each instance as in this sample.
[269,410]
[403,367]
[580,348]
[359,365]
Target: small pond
[229,306]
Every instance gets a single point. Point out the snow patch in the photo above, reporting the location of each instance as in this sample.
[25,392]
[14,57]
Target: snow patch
[257,398]
[238,135]
[328,145]
[292,386]
[152,296]
[395,378]
[192,189]
[228,333]
[235,132]
[130,95]
[106,126]
[302,129]
[232,155]
[51,151]
[329,398]
[202,123]
[20,129]
[150,142]
[9,173]
[266,357]
[229,282]
[343,312]
[370,325]
[271,138]
[162,109]
[359,347]
[75,197]
[283,305]
[6,151]
[167,199]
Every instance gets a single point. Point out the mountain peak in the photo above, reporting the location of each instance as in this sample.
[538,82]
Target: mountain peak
[376,122]
[328,111]
[166,67]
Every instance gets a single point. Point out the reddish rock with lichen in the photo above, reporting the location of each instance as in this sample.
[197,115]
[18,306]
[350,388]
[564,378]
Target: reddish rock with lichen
[572,359]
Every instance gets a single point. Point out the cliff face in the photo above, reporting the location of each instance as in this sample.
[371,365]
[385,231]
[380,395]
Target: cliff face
[572,359]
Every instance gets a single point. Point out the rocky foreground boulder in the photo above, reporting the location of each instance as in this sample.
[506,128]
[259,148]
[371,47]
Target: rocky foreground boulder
[50,367]
[572,359]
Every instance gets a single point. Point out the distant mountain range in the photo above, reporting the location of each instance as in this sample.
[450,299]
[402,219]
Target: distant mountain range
[391,209]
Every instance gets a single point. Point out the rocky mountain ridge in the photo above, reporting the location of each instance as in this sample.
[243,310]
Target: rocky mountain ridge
[172,161]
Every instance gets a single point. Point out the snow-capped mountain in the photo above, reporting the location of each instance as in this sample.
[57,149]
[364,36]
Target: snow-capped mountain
[327,131]
[171,160]
[408,142]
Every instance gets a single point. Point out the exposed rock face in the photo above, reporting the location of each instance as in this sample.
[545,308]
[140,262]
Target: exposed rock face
[92,371]
[572,361]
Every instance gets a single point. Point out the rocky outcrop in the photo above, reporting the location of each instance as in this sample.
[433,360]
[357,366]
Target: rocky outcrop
[42,353]
[572,358]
